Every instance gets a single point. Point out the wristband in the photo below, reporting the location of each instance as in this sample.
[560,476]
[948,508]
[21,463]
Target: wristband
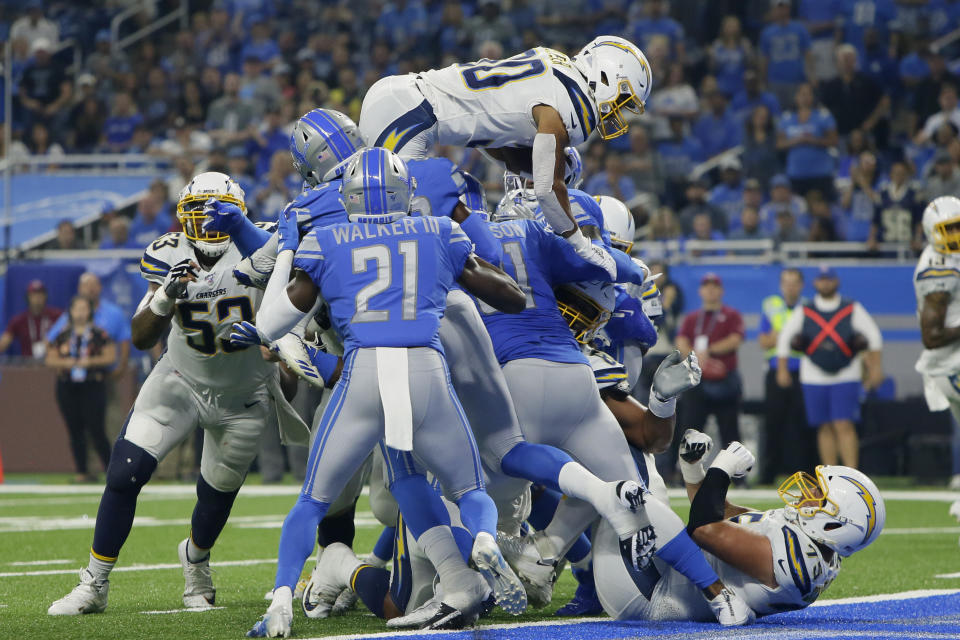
[692,472]
[661,408]
[161,304]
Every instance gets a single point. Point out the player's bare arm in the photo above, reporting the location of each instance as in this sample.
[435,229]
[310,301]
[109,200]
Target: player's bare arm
[933,318]
[492,285]
[739,547]
[642,428]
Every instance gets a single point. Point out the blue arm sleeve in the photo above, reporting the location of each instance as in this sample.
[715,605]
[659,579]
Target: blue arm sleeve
[248,237]
[627,269]
[326,363]
[485,245]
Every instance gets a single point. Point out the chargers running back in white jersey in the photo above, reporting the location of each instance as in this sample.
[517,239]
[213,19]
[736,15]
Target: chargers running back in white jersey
[489,103]
[199,340]
[802,572]
[938,272]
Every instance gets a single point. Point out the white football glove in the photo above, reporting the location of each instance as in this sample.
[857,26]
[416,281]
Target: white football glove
[736,460]
[694,446]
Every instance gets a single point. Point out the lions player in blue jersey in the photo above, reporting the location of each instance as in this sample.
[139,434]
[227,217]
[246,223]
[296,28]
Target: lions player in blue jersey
[385,278]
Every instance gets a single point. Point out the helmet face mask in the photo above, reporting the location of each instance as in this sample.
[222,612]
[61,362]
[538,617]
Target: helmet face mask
[619,223]
[941,224]
[947,236]
[190,213]
[612,123]
[586,307]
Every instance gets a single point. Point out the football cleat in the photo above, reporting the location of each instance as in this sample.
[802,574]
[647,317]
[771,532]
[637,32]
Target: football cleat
[345,601]
[276,622]
[507,588]
[86,597]
[537,574]
[324,587]
[198,590]
[620,506]
[432,614]
[730,609]
[585,601]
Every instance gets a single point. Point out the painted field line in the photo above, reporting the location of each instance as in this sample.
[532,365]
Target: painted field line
[39,563]
[137,567]
[184,610]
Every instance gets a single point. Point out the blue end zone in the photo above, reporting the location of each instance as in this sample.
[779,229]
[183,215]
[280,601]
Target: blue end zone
[920,617]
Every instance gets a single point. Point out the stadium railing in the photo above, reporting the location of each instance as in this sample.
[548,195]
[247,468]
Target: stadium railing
[768,252]
[181,13]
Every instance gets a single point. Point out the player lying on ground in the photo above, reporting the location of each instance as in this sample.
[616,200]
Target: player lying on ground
[778,560]
[202,381]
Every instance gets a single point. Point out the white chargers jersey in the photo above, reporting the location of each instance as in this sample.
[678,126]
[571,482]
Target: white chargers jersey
[198,346]
[489,103]
[802,572]
[938,272]
[609,374]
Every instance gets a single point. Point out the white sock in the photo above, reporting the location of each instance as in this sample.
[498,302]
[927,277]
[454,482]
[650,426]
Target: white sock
[440,547]
[347,564]
[577,482]
[194,553]
[573,516]
[100,568]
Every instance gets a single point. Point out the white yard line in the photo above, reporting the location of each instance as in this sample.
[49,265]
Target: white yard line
[137,567]
[185,610]
[39,563]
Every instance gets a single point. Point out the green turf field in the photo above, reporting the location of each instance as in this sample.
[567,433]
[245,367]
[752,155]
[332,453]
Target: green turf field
[51,532]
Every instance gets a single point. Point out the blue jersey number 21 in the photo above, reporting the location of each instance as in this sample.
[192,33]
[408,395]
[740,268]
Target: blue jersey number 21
[492,74]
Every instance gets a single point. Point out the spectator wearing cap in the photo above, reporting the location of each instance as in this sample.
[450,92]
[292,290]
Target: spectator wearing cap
[786,61]
[855,99]
[29,328]
[612,181]
[86,117]
[118,235]
[785,419]
[782,198]
[760,157]
[119,126]
[808,135]
[949,112]
[730,54]
[728,194]
[944,179]
[716,129]
[149,223]
[697,203]
[33,25]
[752,96]
[715,332]
[748,226]
[831,331]
[861,197]
[44,90]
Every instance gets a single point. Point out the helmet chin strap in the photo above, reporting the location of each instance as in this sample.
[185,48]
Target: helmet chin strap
[210,249]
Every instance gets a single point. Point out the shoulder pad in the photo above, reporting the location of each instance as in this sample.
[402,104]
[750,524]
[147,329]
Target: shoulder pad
[161,254]
[607,371]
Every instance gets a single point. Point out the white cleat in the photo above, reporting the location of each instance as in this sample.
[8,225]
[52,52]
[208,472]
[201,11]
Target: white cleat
[86,597]
[730,609]
[276,622]
[198,590]
[324,587]
[537,574]
[507,588]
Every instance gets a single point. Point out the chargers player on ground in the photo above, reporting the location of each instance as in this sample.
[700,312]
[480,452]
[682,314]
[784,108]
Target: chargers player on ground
[201,381]
[385,277]
[778,560]
[524,111]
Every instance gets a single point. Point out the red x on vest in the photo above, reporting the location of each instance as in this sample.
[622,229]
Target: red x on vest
[829,329]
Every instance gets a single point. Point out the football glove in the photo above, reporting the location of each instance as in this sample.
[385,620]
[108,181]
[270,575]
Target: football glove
[244,334]
[675,375]
[221,216]
[694,445]
[288,233]
[181,274]
[736,460]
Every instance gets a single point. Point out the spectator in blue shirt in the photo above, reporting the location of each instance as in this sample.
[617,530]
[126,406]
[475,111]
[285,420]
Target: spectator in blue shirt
[704,231]
[786,60]
[728,195]
[261,46]
[402,24]
[782,198]
[119,126]
[655,21]
[730,55]
[752,96]
[148,223]
[716,130]
[809,136]
[118,235]
[270,137]
[612,181]
[679,154]
[861,197]
[238,168]
[760,157]
[860,15]
[697,204]
[106,315]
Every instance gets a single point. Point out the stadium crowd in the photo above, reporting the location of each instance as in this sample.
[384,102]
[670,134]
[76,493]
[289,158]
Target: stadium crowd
[827,119]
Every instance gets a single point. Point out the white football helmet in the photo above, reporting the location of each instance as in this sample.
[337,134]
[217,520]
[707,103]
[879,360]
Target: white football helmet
[586,306]
[210,184]
[841,509]
[619,75]
[941,224]
[619,222]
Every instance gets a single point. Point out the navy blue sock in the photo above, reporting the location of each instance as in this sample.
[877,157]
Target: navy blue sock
[384,547]
[419,503]
[337,528]
[371,585]
[210,513]
[543,507]
[685,556]
[130,468]
[478,513]
[584,578]
[297,539]
[538,463]
[580,549]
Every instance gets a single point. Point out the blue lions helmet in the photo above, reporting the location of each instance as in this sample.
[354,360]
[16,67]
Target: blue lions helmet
[474,196]
[322,139]
[573,175]
[376,187]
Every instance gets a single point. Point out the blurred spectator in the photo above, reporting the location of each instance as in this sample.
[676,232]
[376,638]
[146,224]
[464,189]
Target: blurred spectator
[256,88]
[86,117]
[106,315]
[680,154]
[944,180]
[827,222]
[82,353]
[118,235]
[44,89]
[696,204]
[33,25]
[238,168]
[949,112]
[66,236]
[786,60]
[192,105]
[29,328]
[728,194]
[749,226]
[808,135]
[782,198]
[785,445]
[229,118]
[716,130]
[715,332]
[39,144]
[402,24]
[787,229]
[643,164]
[676,98]
[730,55]
[664,225]
[261,46]
[752,96]
[703,229]
[155,99]
[831,331]
[491,25]
[185,139]
[612,181]
[119,126]
[897,217]
[271,136]
[857,143]
[760,157]
[855,99]
[148,222]
[860,198]
[819,17]
[926,97]
[276,188]
[654,20]
[858,18]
